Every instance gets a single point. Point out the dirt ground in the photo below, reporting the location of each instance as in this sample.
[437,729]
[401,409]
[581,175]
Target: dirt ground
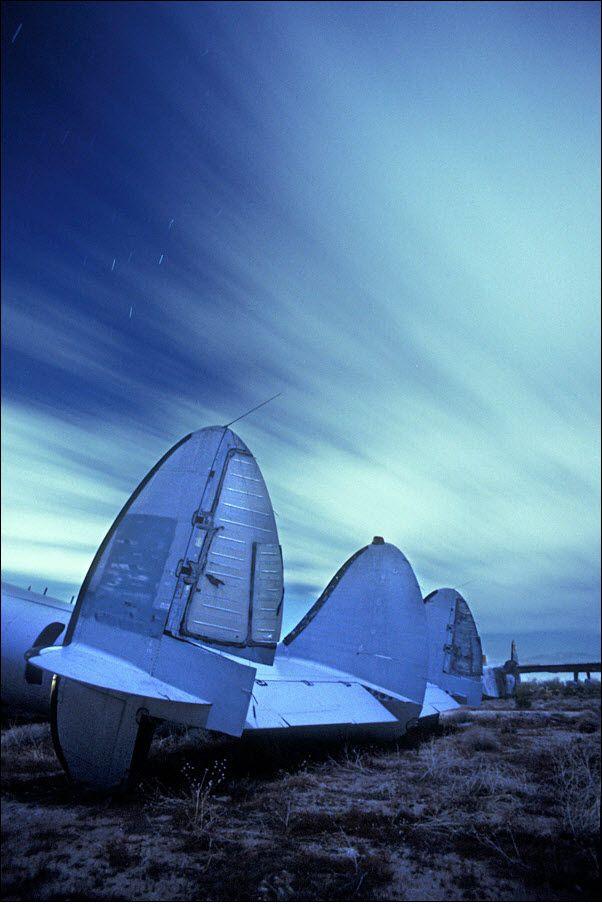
[499,804]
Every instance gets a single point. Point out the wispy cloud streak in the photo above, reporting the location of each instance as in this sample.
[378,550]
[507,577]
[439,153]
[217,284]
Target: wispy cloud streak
[386,212]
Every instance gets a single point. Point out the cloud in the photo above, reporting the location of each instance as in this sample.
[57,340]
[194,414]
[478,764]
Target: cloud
[394,228]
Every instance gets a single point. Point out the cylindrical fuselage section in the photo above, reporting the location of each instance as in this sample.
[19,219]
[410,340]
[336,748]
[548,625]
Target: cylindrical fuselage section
[28,620]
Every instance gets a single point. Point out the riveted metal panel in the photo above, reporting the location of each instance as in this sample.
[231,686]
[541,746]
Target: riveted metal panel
[242,538]
[370,622]
[267,593]
[455,657]
[280,704]
[465,657]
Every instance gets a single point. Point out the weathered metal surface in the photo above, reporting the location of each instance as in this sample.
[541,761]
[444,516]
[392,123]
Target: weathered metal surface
[324,596]
[282,704]
[177,551]
[267,596]
[371,623]
[107,672]
[436,701]
[25,618]
[501,681]
[95,733]
[148,570]
[293,685]
[237,598]
[180,612]
[455,657]
[492,682]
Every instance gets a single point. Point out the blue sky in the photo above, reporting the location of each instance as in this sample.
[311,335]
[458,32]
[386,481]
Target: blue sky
[387,212]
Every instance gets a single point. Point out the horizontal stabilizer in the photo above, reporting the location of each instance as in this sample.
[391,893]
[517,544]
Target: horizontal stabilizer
[102,670]
[284,704]
[437,701]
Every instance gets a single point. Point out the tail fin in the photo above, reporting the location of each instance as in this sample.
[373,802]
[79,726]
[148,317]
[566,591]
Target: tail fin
[455,652]
[369,622]
[511,672]
[189,573]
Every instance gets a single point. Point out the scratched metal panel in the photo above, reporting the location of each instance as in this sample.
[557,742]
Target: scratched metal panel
[220,605]
[124,601]
[126,590]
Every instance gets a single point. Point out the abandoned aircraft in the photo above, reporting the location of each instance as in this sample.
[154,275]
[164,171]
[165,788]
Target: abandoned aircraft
[179,619]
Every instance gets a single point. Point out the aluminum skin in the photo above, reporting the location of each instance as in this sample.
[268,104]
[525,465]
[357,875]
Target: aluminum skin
[179,618]
[189,572]
[455,658]
[28,620]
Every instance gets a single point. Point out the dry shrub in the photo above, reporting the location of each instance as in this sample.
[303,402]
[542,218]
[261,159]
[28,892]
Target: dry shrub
[439,757]
[575,777]
[588,723]
[20,737]
[478,738]
[523,696]
[483,781]
[459,790]
[193,807]
[27,748]
[584,690]
[554,688]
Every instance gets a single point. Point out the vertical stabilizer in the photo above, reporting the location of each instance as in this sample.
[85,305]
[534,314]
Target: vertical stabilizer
[190,571]
[369,622]
[455,653]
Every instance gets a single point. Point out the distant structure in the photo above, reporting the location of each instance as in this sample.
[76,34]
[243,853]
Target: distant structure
[502,681]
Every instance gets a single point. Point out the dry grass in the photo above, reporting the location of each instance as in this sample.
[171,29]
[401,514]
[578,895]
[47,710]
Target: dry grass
[576,781]
[504,810]
[28,744]
[477,738]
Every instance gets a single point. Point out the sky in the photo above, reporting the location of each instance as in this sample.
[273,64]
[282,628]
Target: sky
[387,212]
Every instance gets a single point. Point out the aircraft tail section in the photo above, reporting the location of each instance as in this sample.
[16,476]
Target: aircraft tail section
[187,581]
[455,655]
[501,681]
[369,622]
